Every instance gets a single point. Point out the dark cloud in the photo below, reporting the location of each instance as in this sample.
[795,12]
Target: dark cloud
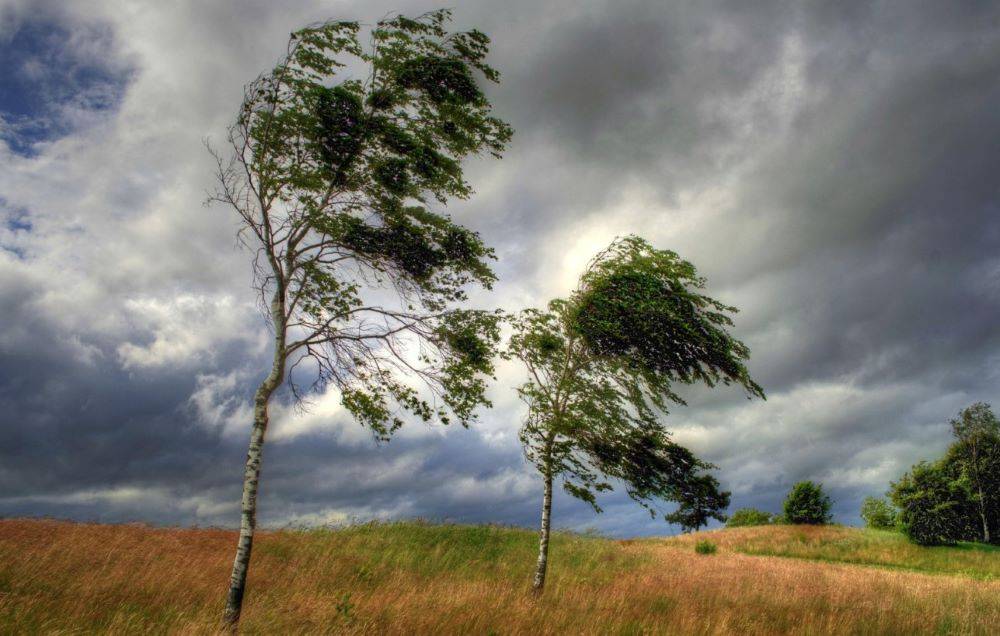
[830,167]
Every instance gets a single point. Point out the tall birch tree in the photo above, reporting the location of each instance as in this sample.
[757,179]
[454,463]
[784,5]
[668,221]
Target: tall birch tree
[975,456]
[602,366]
[333,165]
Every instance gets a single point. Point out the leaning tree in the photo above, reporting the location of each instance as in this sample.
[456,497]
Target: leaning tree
[333,165]
[601,370]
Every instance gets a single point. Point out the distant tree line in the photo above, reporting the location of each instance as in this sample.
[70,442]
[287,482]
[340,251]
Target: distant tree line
[955,498]
[806,503]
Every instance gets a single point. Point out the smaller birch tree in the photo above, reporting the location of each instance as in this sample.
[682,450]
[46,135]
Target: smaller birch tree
[601,370]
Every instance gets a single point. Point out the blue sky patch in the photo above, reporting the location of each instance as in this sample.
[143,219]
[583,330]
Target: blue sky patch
[14,221]
[54,76]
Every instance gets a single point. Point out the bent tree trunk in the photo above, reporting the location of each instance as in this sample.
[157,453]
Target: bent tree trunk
[251,477]
[543,540]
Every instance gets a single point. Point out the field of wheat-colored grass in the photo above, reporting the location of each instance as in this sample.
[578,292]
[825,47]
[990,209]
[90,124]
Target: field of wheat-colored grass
[407,578]
[840,544]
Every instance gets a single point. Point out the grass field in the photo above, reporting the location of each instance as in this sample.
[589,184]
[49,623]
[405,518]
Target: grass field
[406,578]
[839,544]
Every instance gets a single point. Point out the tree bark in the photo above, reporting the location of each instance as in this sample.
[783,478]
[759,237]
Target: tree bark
[982,514]
[979,486]
[543,541]
[251,473]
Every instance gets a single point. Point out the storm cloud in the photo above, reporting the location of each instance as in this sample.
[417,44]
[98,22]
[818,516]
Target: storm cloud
[831,168]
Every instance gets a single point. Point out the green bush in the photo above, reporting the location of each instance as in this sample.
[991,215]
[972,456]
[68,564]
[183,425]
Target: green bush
[878,513]
[705,547]
[807,503]
[748,517]
[933,508]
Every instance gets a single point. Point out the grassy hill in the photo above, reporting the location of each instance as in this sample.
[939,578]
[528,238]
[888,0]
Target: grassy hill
[405,578]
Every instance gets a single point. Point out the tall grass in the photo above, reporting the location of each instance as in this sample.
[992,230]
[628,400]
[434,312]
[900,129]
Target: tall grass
[406,578]
[883,548]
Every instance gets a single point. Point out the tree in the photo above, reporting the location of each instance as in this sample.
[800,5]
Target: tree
[933,508]
[878,513]
[601,369]
[975,457]
[699,501]
[332,179]
[807,503]
[748,517]
[956,498]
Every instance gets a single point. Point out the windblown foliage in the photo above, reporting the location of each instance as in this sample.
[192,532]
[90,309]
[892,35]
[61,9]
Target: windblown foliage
[332,176]
[602,366]
[644,306]
[333,172]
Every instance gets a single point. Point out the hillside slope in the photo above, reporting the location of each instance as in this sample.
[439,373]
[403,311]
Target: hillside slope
[841,544]
[406,578]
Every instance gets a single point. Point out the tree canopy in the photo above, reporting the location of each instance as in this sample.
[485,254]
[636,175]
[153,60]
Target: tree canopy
[807,503]
[333,177]
[749,517]
[644,307]
[933,509]
[878,513]
[974,462]
[957,497]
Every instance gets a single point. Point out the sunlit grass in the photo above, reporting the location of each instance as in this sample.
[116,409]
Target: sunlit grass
[407,578]
[883,548]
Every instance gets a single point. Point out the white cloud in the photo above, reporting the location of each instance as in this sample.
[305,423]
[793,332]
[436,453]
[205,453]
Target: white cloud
[186,330]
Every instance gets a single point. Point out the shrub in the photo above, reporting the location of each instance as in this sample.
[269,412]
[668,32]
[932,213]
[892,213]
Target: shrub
[878,513]
[933,509]
[705,547]
[807,503]
[748,517]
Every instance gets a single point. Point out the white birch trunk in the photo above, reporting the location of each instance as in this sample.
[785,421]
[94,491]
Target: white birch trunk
[251,473]
[979,486]
[543,541]
[982,514]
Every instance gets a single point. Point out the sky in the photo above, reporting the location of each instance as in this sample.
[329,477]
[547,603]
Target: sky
[831,168]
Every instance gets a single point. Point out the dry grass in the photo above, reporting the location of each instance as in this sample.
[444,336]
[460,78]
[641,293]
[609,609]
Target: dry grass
[841,544]
[413,578]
